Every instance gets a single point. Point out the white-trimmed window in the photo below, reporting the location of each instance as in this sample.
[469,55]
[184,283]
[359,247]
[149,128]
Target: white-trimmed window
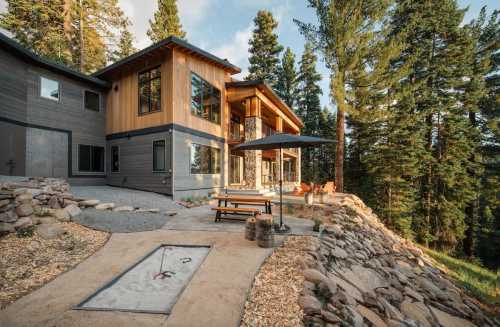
[49,88]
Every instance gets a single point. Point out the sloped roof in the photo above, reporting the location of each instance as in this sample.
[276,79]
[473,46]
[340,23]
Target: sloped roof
[169,42]
[21,52]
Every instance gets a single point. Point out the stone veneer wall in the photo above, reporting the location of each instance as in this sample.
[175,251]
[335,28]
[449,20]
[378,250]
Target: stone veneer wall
[253,159]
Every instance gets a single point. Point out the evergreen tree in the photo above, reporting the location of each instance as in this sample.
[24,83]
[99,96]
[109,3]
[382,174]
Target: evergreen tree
[286,86]
[92,29]
[166,22]
[39,26]
[346,35]
[125,47]
[264,49]
[440,55]
[309,109]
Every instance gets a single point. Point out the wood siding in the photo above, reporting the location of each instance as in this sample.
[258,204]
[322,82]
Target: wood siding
[13,91]
[123,98]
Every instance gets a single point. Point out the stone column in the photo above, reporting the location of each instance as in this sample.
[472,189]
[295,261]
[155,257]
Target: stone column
[253,131]
[253,158]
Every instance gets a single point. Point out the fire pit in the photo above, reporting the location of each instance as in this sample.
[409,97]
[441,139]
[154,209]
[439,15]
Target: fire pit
[151,285]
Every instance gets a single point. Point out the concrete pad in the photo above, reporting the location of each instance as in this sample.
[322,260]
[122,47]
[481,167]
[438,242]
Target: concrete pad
[215,295]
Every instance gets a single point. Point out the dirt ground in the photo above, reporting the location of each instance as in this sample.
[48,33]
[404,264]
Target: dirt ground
[27,263]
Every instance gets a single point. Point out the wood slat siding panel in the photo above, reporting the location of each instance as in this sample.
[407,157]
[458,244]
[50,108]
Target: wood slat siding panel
[13,91]
[12,147]
[123,103]
[136,164]
[183,65]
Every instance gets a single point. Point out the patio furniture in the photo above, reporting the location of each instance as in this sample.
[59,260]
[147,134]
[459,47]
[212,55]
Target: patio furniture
[280,141]
[237,211]
[245,200]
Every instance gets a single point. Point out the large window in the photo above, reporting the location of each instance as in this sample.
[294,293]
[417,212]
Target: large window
[159,152]
[205,99]
[205,159]
[91,100]
[90,158]
[150,91]
[115,158]
[49,89]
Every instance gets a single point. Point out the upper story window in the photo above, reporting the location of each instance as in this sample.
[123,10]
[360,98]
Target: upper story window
[49,89]
[150,91]
[205,99]
[91,100]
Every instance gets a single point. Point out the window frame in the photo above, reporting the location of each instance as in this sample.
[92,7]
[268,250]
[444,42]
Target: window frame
[191,156]
[153,155]
[219,123]
[111,159]
[139,113]
[40,78]
[98,95]
[91,171]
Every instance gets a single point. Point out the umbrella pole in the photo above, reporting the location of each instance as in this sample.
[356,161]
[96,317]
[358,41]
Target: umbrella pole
[281,187]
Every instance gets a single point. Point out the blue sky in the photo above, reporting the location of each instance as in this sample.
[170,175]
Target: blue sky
[223,27]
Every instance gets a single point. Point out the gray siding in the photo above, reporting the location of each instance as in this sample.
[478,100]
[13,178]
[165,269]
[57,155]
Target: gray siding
[185,183]
[87,126]
[136,164]
[13,91]
[12,149]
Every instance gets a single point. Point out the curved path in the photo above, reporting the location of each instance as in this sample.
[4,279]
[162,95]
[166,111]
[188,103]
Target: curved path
[215,295]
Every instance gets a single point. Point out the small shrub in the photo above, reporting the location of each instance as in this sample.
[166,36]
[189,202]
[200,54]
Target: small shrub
[317,222]
[26,231]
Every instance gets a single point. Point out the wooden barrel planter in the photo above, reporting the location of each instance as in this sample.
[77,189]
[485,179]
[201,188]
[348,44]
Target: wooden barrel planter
[250,229]
[264,231]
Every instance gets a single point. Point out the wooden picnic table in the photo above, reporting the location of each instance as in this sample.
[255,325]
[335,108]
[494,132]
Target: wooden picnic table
[239,199]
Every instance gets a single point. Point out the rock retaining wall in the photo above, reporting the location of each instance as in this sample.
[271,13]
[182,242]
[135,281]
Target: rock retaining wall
[359,273]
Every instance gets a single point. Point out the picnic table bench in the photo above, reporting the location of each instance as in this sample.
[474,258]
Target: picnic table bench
[236,200]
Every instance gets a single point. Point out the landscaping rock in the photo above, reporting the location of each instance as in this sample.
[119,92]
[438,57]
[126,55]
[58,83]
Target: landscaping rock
[89,203]
[73,210]
[314,276]
[105,206]
[123,209]
[23,223]
[8,217]
[24,210]
[49,231]
[371,316]
[62,215]
[6,228]
[310,304]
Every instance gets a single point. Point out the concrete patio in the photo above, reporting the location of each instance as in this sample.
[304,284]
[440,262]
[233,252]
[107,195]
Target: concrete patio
[214,297]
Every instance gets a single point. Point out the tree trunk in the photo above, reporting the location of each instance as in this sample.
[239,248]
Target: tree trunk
[470,218]
[339,157]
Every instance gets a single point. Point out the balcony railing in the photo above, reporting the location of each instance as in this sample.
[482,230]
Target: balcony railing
[267,130]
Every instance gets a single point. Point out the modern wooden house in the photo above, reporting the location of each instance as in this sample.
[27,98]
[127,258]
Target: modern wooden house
[168,119]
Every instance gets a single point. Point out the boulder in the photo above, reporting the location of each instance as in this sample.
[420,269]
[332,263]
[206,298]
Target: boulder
[6,228]
[89,203]
[8,216]
[73,210]
[62,215]
[54,203]
[330,316]
[24,198]
[314,276]
[447,320]
[4,203]
[339,253]
[49,231]
[24,210]
[417,311]
[351,290]
[371,316]
[47,220]
[310,304]
[23,223]
[124,209]
[105,206]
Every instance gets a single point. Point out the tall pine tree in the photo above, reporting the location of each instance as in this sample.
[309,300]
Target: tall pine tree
[264,49]
[345,35]
[166,22]
[39,26]
[309,110]
[124,48]
[286,85]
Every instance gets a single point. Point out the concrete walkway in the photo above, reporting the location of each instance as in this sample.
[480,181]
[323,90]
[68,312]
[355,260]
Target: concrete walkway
[214,297]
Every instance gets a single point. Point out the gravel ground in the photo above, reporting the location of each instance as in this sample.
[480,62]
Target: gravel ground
[273,299]
[121,222]
[27,263]
[123,196]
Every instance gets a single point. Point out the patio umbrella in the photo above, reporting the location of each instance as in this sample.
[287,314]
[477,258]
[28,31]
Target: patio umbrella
[280,141]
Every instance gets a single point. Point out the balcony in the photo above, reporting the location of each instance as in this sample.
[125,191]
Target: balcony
[236,132]
[267,130]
